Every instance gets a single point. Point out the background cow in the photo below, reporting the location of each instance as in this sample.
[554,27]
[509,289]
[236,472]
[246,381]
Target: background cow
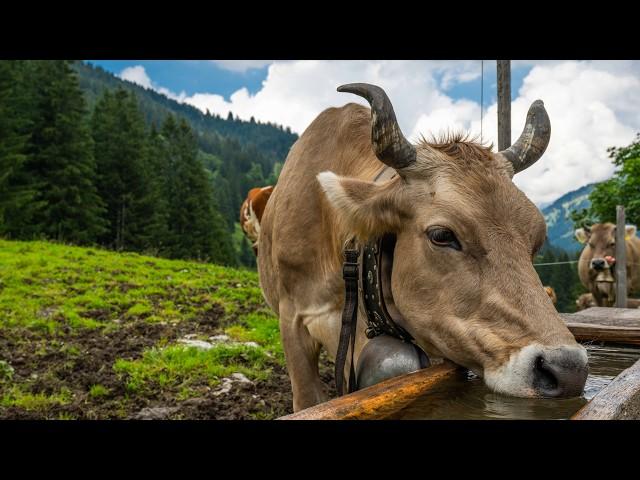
[462,278]
[595,266]
[251,213]
[552,294]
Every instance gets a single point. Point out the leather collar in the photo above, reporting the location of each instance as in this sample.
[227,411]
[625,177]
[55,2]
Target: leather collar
[376,261]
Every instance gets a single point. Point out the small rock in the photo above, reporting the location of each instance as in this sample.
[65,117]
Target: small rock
[47,312]
[239,377]
[195,402]
[238,285]
[155,413]
[251,344]
[190,335]
[196,343]
[224,388]
[219,338]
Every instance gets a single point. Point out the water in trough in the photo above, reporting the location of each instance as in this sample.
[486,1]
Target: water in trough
[467,398]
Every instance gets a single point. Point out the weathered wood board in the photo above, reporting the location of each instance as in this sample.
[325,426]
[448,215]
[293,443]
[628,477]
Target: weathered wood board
[380,400]
[617,317]
[612,325]
[620,400]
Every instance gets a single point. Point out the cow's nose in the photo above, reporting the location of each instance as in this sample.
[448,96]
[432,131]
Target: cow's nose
[598,263]
[561,372]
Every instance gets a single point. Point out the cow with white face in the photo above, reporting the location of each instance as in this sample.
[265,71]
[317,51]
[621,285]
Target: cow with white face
[462,278]
[598,259]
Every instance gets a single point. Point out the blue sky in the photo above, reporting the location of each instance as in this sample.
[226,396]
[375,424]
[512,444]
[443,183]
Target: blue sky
[593,105]
[193,76]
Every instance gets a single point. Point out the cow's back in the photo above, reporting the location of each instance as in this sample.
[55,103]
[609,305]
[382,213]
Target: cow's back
[299,242]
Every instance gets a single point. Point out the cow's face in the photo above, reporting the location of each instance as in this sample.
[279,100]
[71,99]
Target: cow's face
[599,255]
[463,276]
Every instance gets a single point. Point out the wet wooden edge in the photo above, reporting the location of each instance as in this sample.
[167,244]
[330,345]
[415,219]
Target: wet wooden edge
[382,399]
[584,332]
[385,398]
[620,400]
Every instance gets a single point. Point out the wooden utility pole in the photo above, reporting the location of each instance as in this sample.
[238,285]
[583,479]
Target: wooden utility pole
[621,259]
[504,104]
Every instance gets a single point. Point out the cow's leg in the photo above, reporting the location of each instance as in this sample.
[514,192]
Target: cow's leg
[301,353]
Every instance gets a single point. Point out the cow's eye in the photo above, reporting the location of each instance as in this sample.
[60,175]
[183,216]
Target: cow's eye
[612,244]
[592,245]
[443,237]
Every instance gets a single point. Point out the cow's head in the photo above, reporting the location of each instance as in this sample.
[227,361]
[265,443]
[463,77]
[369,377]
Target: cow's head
[599,254]
[462,276]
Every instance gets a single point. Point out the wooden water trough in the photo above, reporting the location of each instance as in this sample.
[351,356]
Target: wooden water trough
[619,400]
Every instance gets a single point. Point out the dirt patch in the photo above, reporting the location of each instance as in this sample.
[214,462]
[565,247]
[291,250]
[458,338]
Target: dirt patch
[77,359]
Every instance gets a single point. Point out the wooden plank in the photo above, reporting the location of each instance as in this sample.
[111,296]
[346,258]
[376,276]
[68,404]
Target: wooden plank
[585,332]
[382,399]
[504,104]
[619,317]
[621,258]
[620,400]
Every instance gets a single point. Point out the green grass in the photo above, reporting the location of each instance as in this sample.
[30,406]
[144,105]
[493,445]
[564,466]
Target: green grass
[44,286]
[179,366]
[60,293]
[98,391]
[40,402]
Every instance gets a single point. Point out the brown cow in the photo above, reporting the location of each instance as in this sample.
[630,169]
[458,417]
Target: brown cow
[462,277]
[552,294]
[598,257]
[251,213]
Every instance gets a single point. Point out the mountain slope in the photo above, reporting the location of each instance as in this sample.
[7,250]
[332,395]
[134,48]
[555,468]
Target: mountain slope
[240,154]
[269,139]
[557,216]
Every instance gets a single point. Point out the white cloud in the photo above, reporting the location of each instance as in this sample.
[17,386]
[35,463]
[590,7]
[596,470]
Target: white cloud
[136,74]
[591,108]
[592,105]
[241,65]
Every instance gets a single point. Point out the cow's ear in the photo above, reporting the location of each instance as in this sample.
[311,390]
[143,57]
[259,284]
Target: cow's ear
[366,209]
[582,235]
[630,231]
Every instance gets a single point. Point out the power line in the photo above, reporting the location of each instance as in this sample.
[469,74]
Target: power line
[554,263]
[481,94]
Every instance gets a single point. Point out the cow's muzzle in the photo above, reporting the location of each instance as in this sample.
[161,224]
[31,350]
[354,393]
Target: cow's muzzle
[560,373]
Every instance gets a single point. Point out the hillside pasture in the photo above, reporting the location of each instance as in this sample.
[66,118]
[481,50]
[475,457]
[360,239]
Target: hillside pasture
[87,333]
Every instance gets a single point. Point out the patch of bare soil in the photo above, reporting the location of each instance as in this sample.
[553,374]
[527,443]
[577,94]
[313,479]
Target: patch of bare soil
[78,359]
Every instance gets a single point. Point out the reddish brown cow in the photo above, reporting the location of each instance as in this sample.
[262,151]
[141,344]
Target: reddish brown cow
[251,213]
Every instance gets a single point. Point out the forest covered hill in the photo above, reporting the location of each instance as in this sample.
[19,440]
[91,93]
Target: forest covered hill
[240,154]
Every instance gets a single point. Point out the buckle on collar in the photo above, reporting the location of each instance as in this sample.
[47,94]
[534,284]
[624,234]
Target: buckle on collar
[350,265]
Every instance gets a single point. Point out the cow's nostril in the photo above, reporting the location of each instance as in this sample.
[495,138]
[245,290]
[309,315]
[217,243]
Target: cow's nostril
[598,264]
[544,378]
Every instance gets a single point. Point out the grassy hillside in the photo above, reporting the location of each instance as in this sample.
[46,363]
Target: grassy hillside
[88,333]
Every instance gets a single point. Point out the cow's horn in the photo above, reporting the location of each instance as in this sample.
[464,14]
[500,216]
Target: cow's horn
[387,140]
[533,141]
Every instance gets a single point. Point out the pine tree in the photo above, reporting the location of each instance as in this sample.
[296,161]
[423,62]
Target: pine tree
[13,139]
[121,153]
[60,163]
[196,229]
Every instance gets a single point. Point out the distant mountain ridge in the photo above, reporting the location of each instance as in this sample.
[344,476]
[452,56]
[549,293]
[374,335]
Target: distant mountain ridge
[560,231]
[240,154]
